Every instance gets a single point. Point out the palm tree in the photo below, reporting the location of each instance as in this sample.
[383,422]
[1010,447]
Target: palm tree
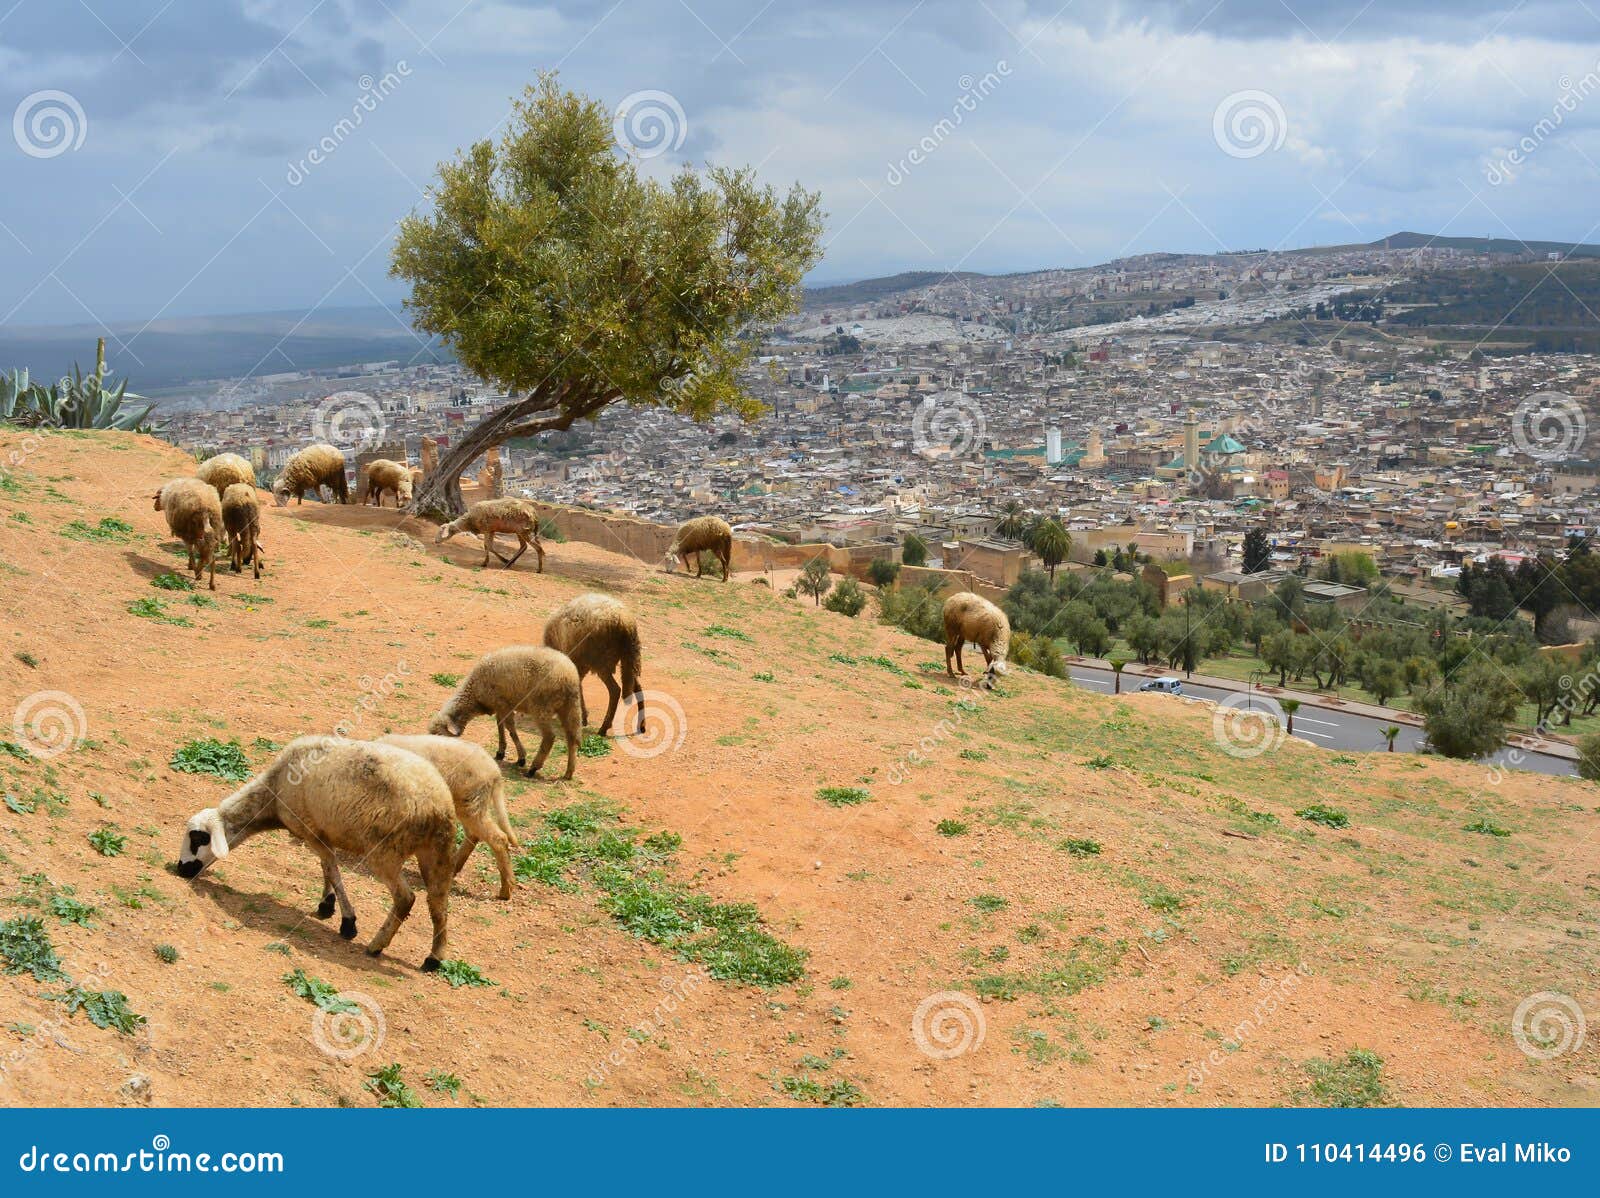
[1389,734]
[1052,543]
[1290,706]
[1117,663]
[1012,520]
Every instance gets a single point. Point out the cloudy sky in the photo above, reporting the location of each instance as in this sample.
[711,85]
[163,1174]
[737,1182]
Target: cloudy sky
[161,159]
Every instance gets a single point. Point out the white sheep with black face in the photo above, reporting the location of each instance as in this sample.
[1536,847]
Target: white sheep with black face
[375,800]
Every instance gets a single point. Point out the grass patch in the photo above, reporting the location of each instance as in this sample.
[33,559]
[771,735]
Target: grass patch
[168,581]
[107,841]
[26,947]
[390,1088]
[109,531]
[1354,1080]
[220,759]
[989,903]
[441,1082]
[323,995]
[764,676]
[843,796]
[166,953]
[950,827]
[460,973]
[973,755]
[151,608]
[446,680]
[71,910]
[1321,813]
[105,1008]
[594,745]
[1486,826]
[837,1092]
[724,631]
[1079,846]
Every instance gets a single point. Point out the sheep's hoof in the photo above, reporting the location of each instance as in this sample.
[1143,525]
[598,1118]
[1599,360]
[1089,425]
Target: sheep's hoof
[500,756]
[431,965]
[531,773]
[374,952]
[347,928]
[325,907]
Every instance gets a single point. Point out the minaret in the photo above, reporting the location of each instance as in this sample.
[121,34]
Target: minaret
[1191,441]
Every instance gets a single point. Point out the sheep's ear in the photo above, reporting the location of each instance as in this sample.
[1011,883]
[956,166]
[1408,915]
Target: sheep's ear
[456,726]
[219,835]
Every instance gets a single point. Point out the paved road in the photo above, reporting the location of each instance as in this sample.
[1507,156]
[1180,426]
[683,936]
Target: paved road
[1330,729]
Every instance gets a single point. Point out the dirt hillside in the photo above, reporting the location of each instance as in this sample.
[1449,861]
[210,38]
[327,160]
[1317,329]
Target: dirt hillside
[1036,896]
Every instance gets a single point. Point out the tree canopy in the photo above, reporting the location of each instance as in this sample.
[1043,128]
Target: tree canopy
[555,270]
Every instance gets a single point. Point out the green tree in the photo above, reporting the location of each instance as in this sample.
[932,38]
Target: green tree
[914,550]
[1589,757]
[553,268]
[1118,664]
[1052,543]
[1257,551]
[1389,734]
[1467,716]
[847,599]
[1290,706]
[882,573]
[815,580]
[1012,520]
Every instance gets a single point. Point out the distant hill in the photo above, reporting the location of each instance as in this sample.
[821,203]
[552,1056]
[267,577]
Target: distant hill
[1484,245]
[169,353]
[871,289]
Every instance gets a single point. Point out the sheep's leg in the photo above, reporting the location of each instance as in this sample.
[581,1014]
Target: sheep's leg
[949,650]
[613,694]
[539,549]
[500,733]
[465,852]
[482,828]
[209,560]
[522,547]
[699,564]
[574,731]
[389,874]
[333,889]
[727,563]
[434,862]
[325,907]
[511,727]
[547,737]
[488,548]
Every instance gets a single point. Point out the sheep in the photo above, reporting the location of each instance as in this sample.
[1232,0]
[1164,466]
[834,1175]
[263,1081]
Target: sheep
[224,470]
[970,617]
[519,680]
[703,532]
[332,794]
[241,517]
[601,637]
[490,516]
[384,475]
[479,793]
[313,467]
[194,514]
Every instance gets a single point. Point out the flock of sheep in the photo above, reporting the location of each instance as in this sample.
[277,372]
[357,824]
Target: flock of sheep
[398,798]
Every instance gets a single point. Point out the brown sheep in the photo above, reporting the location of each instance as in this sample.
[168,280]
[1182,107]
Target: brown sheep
[313,467]
[384,475]
[377,801]
[970,617]
[490,516]
[241,517]
[194,514]
[224,470]
[703,532]
[479,793]
[601,637]
[519,680]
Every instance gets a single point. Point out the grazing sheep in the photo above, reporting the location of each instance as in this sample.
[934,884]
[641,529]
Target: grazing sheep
[970,617]
[601,637]
[375,800]
[479,793]
[384,475]
[491,516]
[241,516]
[703,532]
[519,680]
[417,475]
[194,514]
[313,467]
[224,470]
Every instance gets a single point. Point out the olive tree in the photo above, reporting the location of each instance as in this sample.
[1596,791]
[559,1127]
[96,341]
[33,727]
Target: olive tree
[556,271]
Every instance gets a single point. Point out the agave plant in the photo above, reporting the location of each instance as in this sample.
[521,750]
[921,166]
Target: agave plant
[77,401]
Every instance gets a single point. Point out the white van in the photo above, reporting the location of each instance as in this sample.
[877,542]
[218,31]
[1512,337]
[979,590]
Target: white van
[1166,686]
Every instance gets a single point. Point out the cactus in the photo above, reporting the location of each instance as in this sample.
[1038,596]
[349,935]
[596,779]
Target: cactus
[77,401]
